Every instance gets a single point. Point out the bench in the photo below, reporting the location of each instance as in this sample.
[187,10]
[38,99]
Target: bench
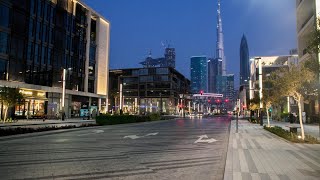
[293,129]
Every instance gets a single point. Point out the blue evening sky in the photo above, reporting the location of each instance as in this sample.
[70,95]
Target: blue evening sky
[138,26]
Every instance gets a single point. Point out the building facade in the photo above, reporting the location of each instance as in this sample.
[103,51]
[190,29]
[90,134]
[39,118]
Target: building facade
[39,40]
[244,61]
[148,90]
[307,15]
[225,86]
[214,69]
[199,75]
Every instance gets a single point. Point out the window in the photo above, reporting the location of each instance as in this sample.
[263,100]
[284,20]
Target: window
[4,14]
[39,9]
[29,52]
[49,56]
[143,71]
[44,56]
[36,52]
[31,24]
[3,43]
[162,71]
[38,32]
[44,34]
[3,69]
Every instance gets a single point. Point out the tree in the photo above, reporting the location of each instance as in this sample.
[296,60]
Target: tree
[9,97]
[254,105]
[294,82]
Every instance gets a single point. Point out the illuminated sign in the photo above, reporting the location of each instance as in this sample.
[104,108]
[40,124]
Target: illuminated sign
[24,92]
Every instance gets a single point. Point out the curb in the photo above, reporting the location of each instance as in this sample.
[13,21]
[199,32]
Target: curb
[43,133]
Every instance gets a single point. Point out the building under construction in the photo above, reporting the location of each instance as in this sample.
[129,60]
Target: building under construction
[169,59]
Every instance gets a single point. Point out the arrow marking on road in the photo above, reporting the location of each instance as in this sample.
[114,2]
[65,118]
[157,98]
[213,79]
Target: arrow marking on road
[201,140]
[97,131]
[133,137]
[137,137]
[152,134]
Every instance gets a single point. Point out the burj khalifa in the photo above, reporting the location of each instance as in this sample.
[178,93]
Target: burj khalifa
[220,46]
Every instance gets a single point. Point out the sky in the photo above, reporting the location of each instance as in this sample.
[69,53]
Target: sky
[140,26]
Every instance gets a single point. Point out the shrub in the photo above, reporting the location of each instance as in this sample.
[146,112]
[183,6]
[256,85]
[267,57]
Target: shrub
[291,136]
[124,119]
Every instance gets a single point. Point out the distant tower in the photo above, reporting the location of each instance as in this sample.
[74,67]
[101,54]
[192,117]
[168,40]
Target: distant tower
[219,46]
[244,62]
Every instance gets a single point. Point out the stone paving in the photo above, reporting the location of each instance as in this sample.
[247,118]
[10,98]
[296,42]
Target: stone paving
[254,153]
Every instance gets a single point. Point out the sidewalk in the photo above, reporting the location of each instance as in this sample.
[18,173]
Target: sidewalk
[40,123]
[256,154]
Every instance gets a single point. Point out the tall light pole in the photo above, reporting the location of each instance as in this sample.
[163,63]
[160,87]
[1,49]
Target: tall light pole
[260,89]
[63,92]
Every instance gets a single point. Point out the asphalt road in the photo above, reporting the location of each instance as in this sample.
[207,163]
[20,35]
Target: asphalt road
[154,150]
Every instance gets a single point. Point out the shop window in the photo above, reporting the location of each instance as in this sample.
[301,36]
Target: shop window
[3,69]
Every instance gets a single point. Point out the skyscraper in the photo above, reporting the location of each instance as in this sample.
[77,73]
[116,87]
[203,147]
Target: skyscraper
[219,46]
[214,69]
[198,67]
[244,61]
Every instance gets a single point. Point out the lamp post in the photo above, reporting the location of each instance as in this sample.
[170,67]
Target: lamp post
[260,89]
[64,73]
[160,103]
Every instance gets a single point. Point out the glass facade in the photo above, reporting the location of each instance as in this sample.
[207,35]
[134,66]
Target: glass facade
[244,62]
[198,67]
[39,38]
[145,92]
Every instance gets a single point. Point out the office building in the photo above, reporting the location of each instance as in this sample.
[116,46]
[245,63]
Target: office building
[148,90]
[199,75]
[40,38]
[244,61]
[214,69]
[225,86]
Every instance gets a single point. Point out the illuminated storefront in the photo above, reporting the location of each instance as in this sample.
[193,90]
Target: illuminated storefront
[34,104]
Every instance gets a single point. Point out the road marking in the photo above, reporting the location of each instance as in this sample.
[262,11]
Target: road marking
[137,137]
[207,140]
[97,131]
[152,134]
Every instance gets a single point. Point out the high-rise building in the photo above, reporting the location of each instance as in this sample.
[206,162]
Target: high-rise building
[214,69]
[198,67]
[244,62]
[41,39]
[220,44]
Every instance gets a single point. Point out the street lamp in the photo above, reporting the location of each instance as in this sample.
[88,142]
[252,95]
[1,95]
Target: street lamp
[160,103]
[64,73]
[260,88]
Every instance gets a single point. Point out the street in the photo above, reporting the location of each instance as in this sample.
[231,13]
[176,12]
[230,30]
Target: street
[174,149]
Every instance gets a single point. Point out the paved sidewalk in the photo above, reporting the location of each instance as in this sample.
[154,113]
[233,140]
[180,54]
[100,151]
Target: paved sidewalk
[40,123]
[256,154]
